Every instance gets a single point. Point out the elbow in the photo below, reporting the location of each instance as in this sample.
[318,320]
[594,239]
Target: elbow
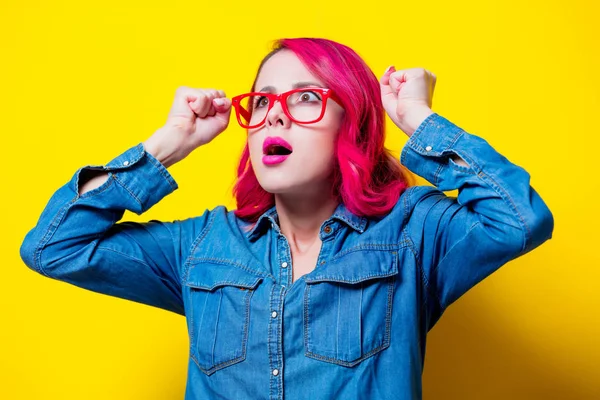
[31,253]
[527,232]
[543,227]
[28,252]
[540,224]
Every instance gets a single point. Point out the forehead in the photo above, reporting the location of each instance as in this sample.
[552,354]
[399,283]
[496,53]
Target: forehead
[282,71]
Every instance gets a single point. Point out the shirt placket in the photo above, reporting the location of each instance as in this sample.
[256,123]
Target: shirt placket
[284,258]
[284,276]
[275,342]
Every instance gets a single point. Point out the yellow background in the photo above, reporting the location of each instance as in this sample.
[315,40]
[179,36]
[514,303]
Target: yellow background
[83,82]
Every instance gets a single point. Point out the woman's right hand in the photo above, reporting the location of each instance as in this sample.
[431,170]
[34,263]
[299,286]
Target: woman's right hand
[195,119]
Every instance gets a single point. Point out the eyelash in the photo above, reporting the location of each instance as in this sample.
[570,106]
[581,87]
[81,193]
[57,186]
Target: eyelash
[301,93]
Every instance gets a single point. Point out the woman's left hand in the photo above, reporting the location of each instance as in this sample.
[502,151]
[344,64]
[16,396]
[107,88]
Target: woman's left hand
[407,96]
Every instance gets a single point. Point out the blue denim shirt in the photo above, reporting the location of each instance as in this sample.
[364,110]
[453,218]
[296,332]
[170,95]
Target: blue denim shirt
[353,328]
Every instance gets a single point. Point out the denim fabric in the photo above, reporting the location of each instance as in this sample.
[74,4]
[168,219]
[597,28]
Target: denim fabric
[353,328]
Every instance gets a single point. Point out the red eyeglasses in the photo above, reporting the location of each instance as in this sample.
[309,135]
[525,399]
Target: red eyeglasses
[303,105]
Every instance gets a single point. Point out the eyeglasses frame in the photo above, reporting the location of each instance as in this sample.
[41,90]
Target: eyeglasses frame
[282,98]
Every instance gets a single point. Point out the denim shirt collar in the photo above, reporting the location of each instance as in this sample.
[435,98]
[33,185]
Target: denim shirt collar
[341,213]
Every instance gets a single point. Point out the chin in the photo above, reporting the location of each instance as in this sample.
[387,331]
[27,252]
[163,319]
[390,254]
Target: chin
[277,188]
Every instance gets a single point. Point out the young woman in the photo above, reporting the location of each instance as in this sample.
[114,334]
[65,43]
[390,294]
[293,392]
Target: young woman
[326,279]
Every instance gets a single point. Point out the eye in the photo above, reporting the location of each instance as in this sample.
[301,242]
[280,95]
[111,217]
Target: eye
[258,103]
[305,97]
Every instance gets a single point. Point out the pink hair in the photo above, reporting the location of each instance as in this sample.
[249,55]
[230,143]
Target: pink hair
[367,178]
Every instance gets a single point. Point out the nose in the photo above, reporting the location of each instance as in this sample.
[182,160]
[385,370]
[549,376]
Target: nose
[276,115]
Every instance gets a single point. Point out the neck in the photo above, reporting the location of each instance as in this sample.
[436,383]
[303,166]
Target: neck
[300,217]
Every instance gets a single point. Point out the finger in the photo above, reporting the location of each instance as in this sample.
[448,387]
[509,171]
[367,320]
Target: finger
[384,81]
[211,111]
[196,102]
[184,98]
[397,78]
[388,96]
[212,94]
[224,111]
[206,103]
[220,103]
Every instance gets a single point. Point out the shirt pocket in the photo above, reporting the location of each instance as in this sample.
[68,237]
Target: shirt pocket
[219,300]
[348,307]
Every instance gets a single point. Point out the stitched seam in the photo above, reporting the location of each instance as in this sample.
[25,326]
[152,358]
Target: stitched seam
[406,201]
[269,333]
[279,342]
[177,270]
[368,246]
[506,197]
[421,269]
[306,320]
[437,174]
[225,261]
[442,165]
[421,127]
[129,191]
[343,280]
[226,283]
[198,239]
[503,194]
[386,338]
[162,172]
[422,151]
[37,255]
[213,368]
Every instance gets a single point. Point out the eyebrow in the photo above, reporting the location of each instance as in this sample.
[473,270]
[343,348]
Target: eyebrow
[296,85]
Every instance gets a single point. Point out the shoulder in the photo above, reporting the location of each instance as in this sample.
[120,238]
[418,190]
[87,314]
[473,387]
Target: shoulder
[422,208]
[195,226]
[415,199]
[393,226]
[218,220]
[415,196]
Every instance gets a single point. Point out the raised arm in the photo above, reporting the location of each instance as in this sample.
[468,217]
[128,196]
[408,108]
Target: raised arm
[496,217]
[78,238]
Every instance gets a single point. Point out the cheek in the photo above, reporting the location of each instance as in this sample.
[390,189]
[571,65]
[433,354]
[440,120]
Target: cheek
[255,148]
[316,154]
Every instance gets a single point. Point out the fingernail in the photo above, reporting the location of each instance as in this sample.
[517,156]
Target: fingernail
[219,102]
[390,68]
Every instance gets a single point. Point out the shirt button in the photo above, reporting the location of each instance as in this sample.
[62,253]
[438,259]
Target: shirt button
[428,148]
[284,265]
[125,162]
[327,229]
[275,372]
[274,314]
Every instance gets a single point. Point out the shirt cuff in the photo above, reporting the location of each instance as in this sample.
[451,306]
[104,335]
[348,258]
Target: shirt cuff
[140,173]
[426,150]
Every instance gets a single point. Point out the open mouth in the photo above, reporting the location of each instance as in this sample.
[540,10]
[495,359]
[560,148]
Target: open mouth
[277,150]
[276,146]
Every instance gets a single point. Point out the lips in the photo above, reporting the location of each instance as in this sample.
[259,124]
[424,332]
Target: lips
[275,145]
